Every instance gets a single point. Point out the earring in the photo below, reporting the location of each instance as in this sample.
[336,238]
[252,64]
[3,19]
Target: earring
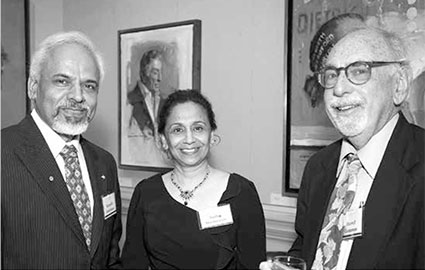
[168,155]
[215,140]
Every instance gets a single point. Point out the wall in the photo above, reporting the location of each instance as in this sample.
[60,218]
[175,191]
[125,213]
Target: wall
[46,17]
[242,74]
[13,86]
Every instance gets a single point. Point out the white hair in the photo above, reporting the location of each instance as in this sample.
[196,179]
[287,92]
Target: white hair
[398,50]
[51,42]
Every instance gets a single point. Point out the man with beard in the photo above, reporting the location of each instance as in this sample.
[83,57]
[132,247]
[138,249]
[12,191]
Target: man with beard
[60,197]
[361,200]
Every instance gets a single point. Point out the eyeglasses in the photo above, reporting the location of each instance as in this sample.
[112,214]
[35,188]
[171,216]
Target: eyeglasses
[357,73]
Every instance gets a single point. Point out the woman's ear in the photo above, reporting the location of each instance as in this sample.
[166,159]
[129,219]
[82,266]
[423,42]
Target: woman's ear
[401,89]
[164,142]
[215,139]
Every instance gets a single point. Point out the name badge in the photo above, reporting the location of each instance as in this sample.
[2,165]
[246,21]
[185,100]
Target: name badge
[109,205]
[353,223]
[215,217]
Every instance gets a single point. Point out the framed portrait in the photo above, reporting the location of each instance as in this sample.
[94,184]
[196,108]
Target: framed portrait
[153,61]
[308,128]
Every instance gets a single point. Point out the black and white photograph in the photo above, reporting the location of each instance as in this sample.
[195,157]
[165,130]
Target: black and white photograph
[154,62]
[213,134]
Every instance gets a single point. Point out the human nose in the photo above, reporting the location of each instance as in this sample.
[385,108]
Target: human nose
[189,139]
[77,93]
[342,85]
[159,76]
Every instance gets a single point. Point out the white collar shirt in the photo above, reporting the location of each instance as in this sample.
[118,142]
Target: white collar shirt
[370,157]
[152,102]
[56,144]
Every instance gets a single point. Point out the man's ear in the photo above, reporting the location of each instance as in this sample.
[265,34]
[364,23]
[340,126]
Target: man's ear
[401,90]
[32,88]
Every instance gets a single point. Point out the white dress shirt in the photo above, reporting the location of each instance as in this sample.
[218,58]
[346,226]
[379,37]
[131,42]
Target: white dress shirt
[370,157]
[151,101]
[56,144]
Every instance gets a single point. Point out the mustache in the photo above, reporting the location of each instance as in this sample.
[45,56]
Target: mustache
[343,104]
[71,104]
[340,102]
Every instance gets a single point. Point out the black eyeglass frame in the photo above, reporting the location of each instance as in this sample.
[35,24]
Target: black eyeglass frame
[368,64]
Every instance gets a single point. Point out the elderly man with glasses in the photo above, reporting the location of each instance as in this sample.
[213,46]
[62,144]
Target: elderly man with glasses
[361,201]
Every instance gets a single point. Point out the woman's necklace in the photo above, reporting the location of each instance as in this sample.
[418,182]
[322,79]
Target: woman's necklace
[187,194]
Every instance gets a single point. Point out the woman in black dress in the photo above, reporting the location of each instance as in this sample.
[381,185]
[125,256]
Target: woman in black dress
[195,216]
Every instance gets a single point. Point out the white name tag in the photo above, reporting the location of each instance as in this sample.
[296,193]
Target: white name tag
[353,223]
[109,205]
[215,217]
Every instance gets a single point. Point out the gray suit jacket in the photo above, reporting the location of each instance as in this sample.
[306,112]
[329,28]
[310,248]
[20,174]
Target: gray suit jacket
[39,225]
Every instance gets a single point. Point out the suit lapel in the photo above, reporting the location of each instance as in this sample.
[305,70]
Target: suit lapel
[326,180]
[135,96]
[98,183]
[36,156]
[386,199]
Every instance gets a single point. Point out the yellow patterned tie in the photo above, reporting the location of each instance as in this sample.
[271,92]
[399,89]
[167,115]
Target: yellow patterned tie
[77,190]
[330,240]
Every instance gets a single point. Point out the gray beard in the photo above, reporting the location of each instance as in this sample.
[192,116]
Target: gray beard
[70,128]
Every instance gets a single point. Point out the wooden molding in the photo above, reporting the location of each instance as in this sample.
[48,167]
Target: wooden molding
[280,223]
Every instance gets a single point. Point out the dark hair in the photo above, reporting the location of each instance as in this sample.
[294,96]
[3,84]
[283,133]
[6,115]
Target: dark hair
[147,58]
[183,96]
[322,43]
[329,34]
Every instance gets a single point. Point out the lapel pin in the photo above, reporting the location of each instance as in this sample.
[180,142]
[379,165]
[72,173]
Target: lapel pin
[103,177]
[51,178]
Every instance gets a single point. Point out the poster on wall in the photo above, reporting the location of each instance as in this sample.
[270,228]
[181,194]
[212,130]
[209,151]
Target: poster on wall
[308,127]
[153,61]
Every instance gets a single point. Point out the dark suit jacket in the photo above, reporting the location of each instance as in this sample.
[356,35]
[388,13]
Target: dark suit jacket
[140,110]
[393,232]
[39,225]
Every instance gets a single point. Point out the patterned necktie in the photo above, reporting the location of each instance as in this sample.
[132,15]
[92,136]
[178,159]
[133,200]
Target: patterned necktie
[342,197]
[77,190]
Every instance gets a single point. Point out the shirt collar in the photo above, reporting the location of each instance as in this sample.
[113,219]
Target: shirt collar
[145,91]
[53,140]
[372,153]
[346,148]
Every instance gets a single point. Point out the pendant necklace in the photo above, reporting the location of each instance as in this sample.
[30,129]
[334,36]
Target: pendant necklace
[187,194]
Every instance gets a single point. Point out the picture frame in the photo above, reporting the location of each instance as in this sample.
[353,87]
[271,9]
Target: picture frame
[15,60]
[178,45]
[308,128]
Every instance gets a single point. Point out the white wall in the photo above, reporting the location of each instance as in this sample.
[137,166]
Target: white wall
[242,75]
[45,19]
